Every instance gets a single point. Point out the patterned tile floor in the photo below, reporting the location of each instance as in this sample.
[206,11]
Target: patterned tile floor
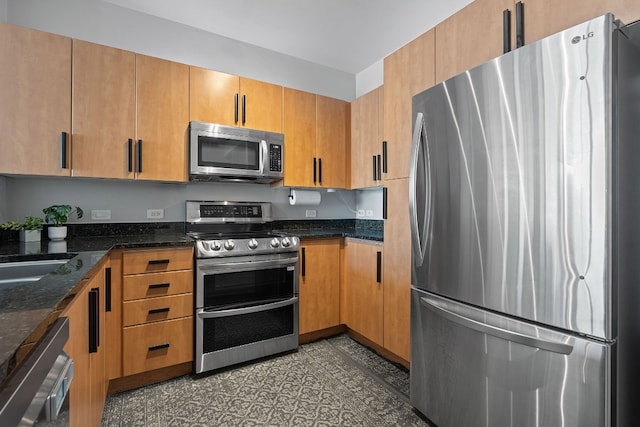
[332,382]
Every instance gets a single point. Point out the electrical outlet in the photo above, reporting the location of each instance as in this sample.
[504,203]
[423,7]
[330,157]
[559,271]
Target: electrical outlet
[100,215]
[311,213]
[155,213]
[369,212]
[360,212]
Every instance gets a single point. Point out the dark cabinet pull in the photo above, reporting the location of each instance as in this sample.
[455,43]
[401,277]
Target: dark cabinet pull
[63,150]
[159,310]
[506,31]
[375,169]
[107,289]
[159,347]
[235,108]
[379,267]
[384,202]
[379,167]
[159,285]
[384,156]
[320,170]
[244,109]
[304,262]
[94,320]
[130,154]
[158,261]
[139,155]
[314,170]
[519,24]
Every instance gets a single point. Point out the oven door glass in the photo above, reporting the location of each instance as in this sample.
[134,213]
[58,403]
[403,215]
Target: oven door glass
[228,153]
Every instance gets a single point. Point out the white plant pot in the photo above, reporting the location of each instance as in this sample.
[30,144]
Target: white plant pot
[29,235]
[57,233]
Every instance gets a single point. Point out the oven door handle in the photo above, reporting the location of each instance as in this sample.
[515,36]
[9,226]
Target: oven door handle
[202,313]
[246,266]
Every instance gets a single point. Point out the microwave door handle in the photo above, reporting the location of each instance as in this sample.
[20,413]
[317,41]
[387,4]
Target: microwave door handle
[245,310]
[264,155]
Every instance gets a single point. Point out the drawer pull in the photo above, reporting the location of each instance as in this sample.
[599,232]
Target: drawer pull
[159,347]
[159,310]
[159,285]
[158,261]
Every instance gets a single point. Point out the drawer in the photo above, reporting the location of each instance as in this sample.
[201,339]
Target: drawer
[157,284]
[154,261]
[157,345]
[156,309]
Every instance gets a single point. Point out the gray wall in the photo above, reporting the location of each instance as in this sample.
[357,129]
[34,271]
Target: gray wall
[3,10]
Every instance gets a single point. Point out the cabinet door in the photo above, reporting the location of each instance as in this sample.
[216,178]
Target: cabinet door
[397,269]
[407,71]
[365,141]
[261,105]
[162,97]
[35,100]
[331,137]
[98,360]
[114,294]
[213,97]
[103,111]
[363,293]
[545,17]
[470,37]
[300,138]
[319,285]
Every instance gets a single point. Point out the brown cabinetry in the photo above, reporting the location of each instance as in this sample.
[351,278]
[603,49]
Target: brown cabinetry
[35,100]
[363,289]
[315,134]
[157,309]
[226,99]
[366,135]
[319,284]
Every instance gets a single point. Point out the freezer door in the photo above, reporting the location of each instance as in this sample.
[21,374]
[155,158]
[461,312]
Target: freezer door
[474,368]
[510,183]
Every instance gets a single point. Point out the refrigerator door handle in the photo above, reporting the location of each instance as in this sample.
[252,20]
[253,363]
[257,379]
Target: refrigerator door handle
[448,312]
[419,152]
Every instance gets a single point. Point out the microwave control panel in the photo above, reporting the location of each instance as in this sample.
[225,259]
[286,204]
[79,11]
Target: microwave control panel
[275,158]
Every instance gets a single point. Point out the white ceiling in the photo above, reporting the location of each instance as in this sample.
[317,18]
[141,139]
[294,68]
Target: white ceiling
[347,35]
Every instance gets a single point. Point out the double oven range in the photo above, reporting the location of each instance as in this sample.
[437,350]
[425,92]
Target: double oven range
[246,284]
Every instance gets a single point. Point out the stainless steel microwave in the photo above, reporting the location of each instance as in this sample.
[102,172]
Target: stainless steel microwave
[227,153]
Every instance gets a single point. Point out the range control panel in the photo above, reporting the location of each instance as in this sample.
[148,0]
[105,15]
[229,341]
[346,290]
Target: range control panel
[200,212]
[230,211]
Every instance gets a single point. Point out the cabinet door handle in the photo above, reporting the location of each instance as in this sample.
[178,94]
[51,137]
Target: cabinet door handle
[244,109]
[130,155]
[379,167]
[159,347]
[384,202]
[159,285]
[94,320]
[506,31]
[375,169]
[158,261]
[304,262]
[107,289]
[139,155]
[320,170]
[379,267]
[519,24]
[235,108]
[63,150]
[384,156]
[314,170]
[159,310]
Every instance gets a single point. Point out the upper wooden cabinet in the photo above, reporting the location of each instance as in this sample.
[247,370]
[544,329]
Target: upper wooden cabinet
[366,139]
[226,99]
[470,37]
[315,135]
[545,17]
[35,101]
[407,71]
[104,111]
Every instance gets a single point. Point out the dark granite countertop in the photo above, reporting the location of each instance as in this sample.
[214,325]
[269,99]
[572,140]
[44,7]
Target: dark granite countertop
[360,229]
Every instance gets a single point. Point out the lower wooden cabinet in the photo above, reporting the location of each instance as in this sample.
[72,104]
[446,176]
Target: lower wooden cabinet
[319,284]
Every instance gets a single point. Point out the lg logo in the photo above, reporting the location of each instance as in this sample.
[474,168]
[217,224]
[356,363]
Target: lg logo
[577,39]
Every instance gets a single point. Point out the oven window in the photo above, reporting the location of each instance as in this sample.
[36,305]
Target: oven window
[247,288]
[228,153]
[221,333]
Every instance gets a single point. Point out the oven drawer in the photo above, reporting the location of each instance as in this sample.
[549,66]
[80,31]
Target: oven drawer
[157,285]
[157,345]
[154,261]
[157,309]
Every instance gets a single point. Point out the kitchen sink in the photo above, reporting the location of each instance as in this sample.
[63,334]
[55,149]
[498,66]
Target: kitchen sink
[27,271]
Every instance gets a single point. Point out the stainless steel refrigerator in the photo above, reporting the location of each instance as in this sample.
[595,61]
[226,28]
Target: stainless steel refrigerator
[525,219]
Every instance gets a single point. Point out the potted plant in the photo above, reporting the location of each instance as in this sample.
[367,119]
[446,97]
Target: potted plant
[29,229]
[58,215]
